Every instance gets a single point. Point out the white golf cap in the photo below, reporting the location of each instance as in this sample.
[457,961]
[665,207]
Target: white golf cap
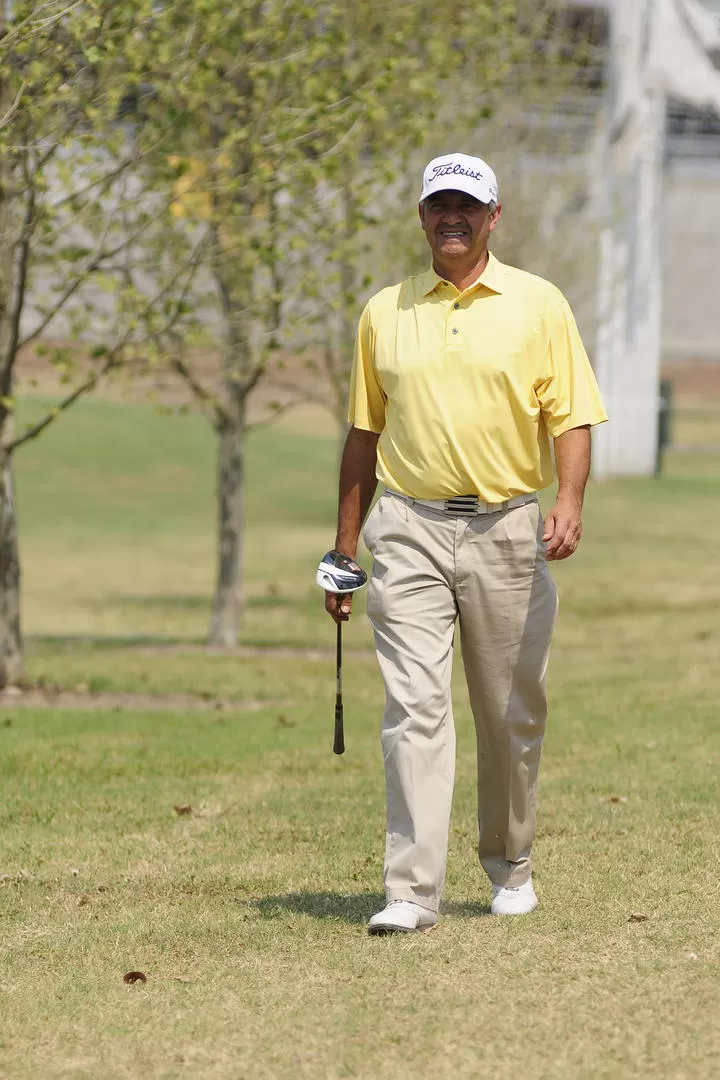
[459,172]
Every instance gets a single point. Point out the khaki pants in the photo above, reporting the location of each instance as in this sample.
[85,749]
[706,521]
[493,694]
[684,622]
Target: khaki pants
[490,572]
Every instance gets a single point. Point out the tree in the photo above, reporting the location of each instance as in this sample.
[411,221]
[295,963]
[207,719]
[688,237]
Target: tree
[298,119]
[247,95]
[174,174]
[72,214]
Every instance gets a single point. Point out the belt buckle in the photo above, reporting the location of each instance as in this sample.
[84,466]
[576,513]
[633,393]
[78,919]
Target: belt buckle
[463,505]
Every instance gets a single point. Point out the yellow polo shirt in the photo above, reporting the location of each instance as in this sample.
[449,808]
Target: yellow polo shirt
[466,388]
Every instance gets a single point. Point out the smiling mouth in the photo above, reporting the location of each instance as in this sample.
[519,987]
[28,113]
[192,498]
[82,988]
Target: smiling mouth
[454,234]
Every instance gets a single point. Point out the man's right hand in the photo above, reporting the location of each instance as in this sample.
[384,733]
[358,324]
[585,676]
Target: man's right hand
[338,606]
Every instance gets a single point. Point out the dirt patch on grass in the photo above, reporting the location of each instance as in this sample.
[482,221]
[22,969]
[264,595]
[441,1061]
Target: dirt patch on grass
[286,652]
[83,698]
[292,381]
[695,381]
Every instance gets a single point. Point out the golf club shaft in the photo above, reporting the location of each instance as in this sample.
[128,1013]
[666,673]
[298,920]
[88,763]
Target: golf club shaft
[339,739]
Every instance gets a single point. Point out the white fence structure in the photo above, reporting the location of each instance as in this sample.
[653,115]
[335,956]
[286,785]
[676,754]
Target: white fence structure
[658,48]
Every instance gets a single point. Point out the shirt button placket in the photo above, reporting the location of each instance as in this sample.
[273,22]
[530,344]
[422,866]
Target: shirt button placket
[453,337]
[454,330]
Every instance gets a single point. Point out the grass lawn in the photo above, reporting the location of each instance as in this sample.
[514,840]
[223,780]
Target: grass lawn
[247,913]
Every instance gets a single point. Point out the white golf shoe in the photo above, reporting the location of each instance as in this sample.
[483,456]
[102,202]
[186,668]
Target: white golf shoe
[401,917]
[519,901]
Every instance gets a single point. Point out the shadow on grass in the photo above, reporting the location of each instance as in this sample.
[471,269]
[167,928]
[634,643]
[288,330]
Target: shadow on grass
[464,909]
[168,601]
[108,641]
[288,645]
[203,602]
[355,908]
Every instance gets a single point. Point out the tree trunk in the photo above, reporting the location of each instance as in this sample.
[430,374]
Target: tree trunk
[228,601]
[11,650]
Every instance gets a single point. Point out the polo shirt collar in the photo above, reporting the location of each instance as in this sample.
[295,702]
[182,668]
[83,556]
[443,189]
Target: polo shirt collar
[491,278]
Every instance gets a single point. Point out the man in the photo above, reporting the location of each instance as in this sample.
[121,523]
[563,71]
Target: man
[462,377]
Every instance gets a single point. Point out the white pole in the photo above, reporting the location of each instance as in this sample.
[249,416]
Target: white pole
[628,347]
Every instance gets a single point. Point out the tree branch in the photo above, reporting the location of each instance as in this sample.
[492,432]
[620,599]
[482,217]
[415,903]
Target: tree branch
[253,379]
[94,264]
[32,21]
[114,359]
[49,155]
[23,263]
[103,181]
[89,384]
[277,412]
[206,400]
[53,18]
[99,183]
[14,107]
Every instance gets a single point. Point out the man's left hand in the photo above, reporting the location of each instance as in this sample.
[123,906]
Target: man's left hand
[563,528]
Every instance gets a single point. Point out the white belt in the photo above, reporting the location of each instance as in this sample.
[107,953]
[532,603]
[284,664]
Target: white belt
[464,505]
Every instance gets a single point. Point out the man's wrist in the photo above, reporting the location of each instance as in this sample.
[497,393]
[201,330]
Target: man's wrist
[570,497]
[346,545]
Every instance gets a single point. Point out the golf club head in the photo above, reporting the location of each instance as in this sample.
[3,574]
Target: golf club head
[338,573]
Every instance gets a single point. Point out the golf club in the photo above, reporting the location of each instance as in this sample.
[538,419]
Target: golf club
[338,573]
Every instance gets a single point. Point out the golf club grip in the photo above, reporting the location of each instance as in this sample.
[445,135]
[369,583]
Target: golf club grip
[339,739]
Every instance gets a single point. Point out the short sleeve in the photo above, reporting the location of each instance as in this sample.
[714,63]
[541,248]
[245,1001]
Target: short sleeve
[366,405]
[568,393]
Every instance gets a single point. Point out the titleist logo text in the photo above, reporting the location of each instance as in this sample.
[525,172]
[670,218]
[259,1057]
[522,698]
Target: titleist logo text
[447,168]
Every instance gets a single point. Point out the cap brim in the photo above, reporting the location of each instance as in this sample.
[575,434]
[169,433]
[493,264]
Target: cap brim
[479,191]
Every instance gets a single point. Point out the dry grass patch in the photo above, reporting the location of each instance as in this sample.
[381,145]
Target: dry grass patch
[232,859]
[247,913]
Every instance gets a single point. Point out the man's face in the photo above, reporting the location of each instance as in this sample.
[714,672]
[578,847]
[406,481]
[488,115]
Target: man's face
[457,225]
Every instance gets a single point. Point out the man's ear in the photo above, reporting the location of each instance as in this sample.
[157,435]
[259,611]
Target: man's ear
[420,211]
[496,216]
